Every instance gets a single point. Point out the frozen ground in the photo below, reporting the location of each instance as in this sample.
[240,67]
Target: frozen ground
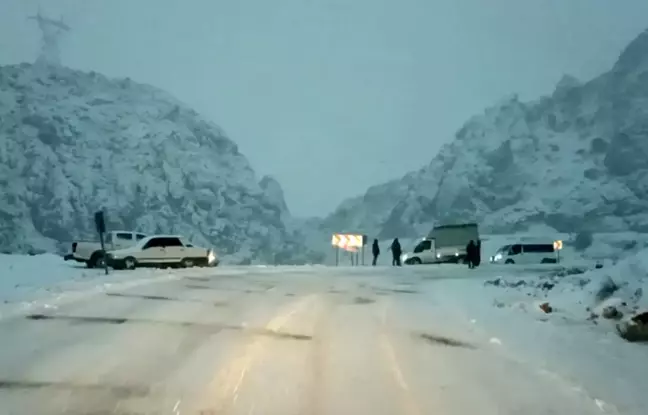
[302,340]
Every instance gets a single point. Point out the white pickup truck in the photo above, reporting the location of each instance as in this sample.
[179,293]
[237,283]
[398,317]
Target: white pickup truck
[91,253]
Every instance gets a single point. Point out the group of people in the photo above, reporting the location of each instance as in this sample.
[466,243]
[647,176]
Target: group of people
[473,253]
[395,249]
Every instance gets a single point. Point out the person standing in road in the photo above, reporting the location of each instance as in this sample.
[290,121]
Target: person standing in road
[375,250]
[470,254]
[396,252]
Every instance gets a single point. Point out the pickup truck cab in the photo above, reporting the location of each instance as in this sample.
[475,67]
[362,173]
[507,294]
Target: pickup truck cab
[161,251]
[91,253]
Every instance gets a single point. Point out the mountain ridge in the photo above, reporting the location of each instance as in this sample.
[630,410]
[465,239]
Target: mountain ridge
[576,159]
[74,142]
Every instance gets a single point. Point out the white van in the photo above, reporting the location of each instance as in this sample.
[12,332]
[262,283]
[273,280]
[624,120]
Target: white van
[526,253]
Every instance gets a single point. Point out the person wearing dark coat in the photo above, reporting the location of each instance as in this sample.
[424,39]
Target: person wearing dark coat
[471,253]
[396,252]
[375,250]
[477,260]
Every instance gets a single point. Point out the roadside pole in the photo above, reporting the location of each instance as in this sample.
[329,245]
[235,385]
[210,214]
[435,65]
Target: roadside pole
[100,223]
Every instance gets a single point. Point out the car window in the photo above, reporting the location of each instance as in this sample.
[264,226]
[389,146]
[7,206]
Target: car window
[124,236]
[140,236]
[172,242]
[152,243]
[515,250]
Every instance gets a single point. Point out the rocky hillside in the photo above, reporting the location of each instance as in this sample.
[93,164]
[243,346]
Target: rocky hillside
[577,159]
[73,142]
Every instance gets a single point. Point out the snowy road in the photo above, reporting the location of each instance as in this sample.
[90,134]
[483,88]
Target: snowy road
[271,341]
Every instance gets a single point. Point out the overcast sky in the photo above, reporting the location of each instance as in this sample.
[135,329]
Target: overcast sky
[333,96]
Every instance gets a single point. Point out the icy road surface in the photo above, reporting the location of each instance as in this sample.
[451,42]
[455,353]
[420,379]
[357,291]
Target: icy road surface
[281,341]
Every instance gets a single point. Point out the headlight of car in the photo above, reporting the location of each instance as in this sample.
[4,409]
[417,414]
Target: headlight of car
[438,256]
[497,257]
[404,257]
[211,257]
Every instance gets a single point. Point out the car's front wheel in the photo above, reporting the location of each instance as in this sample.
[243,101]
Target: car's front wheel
[130,263]
[187,263]
[509,261]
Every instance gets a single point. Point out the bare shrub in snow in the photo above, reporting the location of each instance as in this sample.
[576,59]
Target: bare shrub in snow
[583,241]
[606,289]
[611,312]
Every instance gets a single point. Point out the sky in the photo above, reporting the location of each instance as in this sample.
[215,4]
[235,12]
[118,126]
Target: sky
[333,96]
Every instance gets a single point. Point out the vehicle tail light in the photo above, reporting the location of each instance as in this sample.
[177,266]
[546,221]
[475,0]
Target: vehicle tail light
[74,245]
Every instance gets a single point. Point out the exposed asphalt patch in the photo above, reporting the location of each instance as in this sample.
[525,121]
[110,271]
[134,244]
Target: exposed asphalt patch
[445,341]
[200,287]
[164,298]
[404,291]
[143,297]
[386,291]
[206,287]
[108,320]
[203,279]
[363,300]
[212,328]
[105,320]
[282,335]
[119,391]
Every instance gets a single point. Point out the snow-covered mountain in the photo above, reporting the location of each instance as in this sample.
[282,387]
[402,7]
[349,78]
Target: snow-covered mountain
[575,160]
[72,143]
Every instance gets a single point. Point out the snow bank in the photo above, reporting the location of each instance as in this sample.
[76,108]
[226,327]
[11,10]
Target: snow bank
[22,273]
[580,294]
[31,281]
[625,283]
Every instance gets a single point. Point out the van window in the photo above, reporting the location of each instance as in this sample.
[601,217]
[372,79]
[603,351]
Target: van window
[539,248]
[140,236]
[504,250]
[423,246]
[515,250]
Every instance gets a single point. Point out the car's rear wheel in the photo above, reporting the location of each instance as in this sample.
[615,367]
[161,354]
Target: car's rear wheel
[130,263]
[187,263]
[97,260]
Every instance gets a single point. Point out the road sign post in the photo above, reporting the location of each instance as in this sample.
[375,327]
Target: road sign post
[351,243]
[100,224]
[558,246]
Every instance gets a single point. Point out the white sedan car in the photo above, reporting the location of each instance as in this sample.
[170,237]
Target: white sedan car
[161,251]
